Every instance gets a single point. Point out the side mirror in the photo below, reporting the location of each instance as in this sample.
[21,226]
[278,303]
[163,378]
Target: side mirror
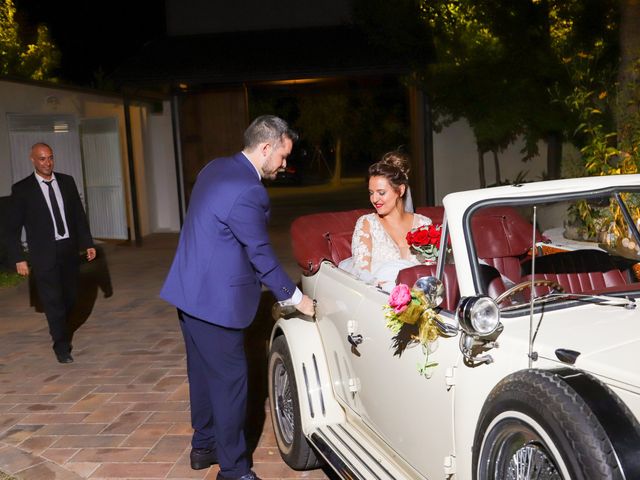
[433,290]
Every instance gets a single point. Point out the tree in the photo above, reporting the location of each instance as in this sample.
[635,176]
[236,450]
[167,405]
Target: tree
[37,60]
[473,75]
[500,65]
[628,126]
[344,125]
[604,92]
[508,55]
[325,118]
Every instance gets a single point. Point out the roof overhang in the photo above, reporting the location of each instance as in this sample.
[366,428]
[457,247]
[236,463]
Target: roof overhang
[204,61]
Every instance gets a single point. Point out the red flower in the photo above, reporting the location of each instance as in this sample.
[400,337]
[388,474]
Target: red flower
[425,240]
[421,237]
[424,235]
[434,235]
[409,237]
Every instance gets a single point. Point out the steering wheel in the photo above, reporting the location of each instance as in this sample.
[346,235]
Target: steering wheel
[543,282]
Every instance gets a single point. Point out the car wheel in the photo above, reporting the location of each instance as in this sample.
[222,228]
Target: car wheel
[285,409]
[535,426]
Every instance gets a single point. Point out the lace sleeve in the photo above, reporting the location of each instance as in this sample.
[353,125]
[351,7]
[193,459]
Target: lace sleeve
[361,244]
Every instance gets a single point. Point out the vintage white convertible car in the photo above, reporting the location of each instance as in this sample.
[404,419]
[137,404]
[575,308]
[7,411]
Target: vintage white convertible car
[534,372]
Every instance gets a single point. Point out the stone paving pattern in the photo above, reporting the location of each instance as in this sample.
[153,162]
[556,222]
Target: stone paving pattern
[121,410]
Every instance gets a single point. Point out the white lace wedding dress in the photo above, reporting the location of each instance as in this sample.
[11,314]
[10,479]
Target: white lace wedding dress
[381,263]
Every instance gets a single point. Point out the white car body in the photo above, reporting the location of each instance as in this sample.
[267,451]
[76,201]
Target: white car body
[371,415]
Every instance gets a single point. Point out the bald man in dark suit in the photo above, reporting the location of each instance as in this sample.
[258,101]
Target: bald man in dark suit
[48,206]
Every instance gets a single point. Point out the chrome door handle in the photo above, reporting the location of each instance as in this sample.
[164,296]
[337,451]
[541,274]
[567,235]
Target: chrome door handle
[354,339]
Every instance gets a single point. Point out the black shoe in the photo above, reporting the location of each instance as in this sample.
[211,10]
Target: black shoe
[202,458]
[64,357]
[249,476]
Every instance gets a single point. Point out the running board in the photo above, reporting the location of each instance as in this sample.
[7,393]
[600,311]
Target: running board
[346,451]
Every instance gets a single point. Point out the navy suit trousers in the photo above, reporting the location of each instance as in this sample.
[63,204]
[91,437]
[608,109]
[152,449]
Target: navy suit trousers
[217,370]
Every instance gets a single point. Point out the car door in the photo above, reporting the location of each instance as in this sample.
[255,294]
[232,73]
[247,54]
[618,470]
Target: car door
[341,296]
[410,412]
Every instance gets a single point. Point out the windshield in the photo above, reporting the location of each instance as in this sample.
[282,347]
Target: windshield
[581,245]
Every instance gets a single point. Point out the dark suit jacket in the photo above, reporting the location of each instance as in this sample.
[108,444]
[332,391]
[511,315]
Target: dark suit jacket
[224,252]
[29,209]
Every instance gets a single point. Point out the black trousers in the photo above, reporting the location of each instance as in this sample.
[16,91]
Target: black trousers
[57,288]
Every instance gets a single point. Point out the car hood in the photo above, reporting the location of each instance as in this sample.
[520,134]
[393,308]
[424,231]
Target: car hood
[607,337]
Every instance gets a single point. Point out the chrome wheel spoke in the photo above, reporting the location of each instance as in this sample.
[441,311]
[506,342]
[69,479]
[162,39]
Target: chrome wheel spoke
[531,462]
[284,402]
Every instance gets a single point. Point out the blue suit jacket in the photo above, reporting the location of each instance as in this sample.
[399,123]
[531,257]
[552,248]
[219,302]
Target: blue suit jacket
[224,252]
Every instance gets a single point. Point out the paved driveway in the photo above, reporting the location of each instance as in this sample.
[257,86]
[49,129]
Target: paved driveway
[121,410]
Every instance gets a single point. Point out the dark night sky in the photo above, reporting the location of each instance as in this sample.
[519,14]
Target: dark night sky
[94,34]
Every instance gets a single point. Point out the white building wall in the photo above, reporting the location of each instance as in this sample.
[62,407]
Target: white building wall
[24,98]
[33,99]
[455,161]
[17,98]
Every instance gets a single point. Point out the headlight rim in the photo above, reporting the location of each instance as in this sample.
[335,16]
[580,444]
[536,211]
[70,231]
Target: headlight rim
[466,309]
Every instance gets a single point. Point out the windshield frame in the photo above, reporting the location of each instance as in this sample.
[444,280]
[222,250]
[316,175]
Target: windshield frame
[530,201]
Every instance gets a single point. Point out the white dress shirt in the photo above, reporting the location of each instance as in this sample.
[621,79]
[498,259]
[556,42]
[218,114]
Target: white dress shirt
[58,194]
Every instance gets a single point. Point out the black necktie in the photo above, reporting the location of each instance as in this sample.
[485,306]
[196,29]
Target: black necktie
[56,209]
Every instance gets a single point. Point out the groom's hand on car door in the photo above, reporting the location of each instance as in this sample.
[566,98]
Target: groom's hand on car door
[306,306]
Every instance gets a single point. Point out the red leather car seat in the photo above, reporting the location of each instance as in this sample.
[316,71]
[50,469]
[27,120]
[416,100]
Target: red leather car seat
[327,236]
[502,238]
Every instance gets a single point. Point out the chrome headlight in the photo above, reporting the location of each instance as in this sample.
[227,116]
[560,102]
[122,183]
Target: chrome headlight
[478,316]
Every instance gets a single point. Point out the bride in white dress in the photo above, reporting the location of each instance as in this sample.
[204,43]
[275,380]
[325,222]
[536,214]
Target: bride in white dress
[379,245]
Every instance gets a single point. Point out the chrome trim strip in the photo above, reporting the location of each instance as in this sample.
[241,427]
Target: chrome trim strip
[315,367]
[365,463]
[367,450]
[341,466]
[306,386]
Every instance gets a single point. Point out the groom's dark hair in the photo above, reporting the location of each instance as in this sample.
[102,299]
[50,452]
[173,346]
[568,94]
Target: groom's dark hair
[267,128]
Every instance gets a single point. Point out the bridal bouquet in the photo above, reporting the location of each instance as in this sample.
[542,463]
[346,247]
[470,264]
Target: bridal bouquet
[411,319]
[425,240]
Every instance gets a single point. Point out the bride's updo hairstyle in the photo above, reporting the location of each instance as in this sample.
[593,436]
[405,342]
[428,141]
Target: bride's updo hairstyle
[394,166]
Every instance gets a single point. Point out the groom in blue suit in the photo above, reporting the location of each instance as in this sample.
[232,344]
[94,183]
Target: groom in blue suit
[223,256]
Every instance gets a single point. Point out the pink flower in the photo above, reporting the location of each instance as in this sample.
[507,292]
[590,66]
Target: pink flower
[400,298]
